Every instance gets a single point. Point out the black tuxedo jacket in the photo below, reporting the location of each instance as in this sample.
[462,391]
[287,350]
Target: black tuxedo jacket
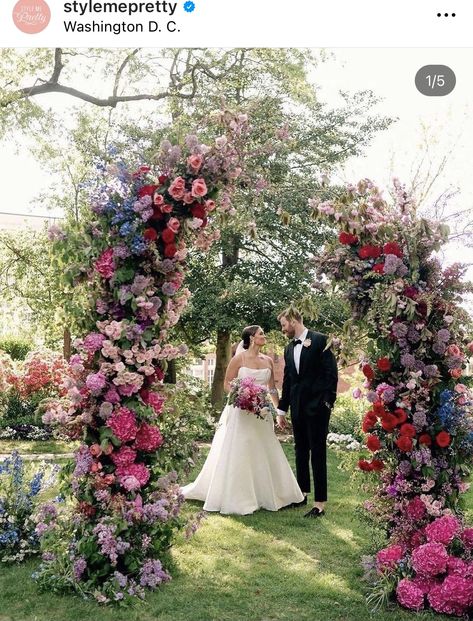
[315,384]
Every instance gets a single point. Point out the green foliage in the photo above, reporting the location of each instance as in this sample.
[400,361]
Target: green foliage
[18,410]
[347,416]
[16,347]
[187,417]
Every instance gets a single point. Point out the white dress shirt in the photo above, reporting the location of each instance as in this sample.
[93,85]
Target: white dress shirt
[297,356]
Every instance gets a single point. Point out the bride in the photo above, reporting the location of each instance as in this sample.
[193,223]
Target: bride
[246,468]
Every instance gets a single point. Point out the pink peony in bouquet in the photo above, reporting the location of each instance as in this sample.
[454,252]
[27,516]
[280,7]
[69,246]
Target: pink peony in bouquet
[247,395]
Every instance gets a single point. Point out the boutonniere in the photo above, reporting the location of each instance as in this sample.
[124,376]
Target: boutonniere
[307,343]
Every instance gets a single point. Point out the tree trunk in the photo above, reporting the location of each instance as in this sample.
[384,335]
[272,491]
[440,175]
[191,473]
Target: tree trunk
[67,347]
[221,364]
[171,373]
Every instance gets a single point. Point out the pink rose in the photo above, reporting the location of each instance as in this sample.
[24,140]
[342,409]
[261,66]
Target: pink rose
[453,350]
[188,199]
[199,188]
[158,200]
[195,162]
[210,205]
[470,347]
[177,188]
[174,225]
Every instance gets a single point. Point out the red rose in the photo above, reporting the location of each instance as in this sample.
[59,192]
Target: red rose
[443,439]
[377,465]
[378,268]
[401,415]
[384,364]
[170,250]
[369,252]
[373,443]
[147,190]
[144,169]
[168,236]
[425,439]
[404,444]
[392,248]
[368,371]
[162,179]
[408,430]
[365,465]
[150,234]
[198,211]
[347,238]
[389,422]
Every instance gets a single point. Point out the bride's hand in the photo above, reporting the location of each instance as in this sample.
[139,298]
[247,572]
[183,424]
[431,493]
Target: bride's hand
[281,422]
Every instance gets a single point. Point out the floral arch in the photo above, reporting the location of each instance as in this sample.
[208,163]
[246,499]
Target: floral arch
[419,424]
[111,539]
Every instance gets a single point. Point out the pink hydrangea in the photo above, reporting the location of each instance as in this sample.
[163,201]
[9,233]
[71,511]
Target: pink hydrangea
[389,557]
[133,476]
[425,584]
[443,529]
[93,342]
[467,537]
[409,595]
[148,438]
[154,399]
[123,457]
[430,559]
[95,381]
[123,424]
[112,395]
[105,265]
[440,602]
[459,590]
[416,509]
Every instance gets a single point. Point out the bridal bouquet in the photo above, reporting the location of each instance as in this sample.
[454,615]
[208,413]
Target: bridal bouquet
[247,395]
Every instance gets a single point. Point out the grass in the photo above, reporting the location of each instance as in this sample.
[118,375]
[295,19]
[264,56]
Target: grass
[39,446]
[263,567]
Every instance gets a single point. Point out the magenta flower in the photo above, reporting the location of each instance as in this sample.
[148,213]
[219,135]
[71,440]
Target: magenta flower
[123,424]
[443,529]
[96,381]
[105,264]
[409,595]
[430,559]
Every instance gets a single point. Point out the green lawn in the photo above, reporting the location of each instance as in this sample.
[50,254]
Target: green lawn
[39,446]
[264,567]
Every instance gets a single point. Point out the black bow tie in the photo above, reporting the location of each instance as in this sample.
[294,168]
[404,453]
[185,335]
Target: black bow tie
[297,342]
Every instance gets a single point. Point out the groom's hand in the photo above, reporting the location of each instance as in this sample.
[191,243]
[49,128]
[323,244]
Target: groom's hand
[281,422]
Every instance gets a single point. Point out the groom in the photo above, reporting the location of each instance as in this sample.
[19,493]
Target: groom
[309,389]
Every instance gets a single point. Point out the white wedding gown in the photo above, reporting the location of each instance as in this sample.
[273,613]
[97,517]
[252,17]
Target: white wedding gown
[246,468]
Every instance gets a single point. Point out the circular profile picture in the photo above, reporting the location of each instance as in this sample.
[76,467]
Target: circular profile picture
[31,16]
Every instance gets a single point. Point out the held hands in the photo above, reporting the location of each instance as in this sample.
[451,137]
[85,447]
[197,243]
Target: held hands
[281,422]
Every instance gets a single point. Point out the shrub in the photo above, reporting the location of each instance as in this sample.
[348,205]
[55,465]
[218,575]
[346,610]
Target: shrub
[188,417]
[15,347]
[347,415]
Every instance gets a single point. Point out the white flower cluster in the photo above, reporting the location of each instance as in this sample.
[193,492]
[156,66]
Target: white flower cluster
[343,441]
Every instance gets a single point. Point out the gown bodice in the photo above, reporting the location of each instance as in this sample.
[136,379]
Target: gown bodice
[260,376]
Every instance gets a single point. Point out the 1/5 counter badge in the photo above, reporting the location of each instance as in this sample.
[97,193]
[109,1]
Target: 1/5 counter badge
[31,16]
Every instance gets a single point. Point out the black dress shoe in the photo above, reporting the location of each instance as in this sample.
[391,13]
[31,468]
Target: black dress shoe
[314,513]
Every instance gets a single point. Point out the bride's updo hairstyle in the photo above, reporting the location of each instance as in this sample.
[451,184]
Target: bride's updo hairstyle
[247,333]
